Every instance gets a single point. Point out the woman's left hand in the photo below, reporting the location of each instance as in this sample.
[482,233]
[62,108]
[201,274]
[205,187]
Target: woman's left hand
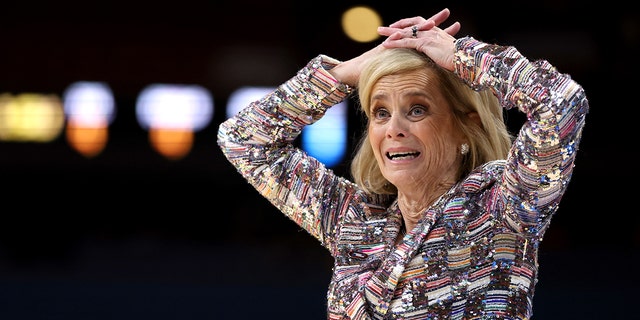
[424,35]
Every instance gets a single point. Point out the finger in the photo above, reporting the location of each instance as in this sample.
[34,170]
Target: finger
[407,22]
[422,25]
[387,31]
[394,41]
[441,16]
[399,39]
[453,29]
[437,18]
[395,36]
[426,25]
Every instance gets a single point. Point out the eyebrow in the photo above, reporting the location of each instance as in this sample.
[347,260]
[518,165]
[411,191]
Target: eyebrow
[412,93]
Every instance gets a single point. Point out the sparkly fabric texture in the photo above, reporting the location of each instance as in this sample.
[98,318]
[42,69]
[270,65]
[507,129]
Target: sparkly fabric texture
[474,253]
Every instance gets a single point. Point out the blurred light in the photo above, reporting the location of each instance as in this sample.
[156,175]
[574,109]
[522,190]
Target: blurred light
[30,117]
[242,97]
[173,144]
[361,23]
[89,103]
[326,139]
[166,106]
[171,114]
[90,109]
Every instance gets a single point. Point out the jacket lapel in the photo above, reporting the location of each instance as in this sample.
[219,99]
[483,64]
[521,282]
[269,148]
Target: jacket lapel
[382,284]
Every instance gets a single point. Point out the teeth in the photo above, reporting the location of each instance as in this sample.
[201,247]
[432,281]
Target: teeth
[407,155]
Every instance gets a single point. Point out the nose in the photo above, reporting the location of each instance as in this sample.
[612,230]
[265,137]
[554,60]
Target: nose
[396,128]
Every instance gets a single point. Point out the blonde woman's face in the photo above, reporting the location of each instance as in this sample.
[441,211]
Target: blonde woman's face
[411,130]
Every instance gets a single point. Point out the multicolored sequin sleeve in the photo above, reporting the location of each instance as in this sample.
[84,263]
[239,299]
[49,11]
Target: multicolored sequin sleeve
[258,141]
[541,160]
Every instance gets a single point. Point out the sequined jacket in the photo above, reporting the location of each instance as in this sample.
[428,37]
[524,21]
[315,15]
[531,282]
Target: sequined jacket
[474,253]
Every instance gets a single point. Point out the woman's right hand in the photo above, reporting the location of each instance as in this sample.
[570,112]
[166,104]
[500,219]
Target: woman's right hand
[425,36]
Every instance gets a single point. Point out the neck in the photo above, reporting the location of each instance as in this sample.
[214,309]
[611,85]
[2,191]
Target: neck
[413,205]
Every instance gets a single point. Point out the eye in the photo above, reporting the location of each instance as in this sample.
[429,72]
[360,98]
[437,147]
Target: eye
[418,111]
[380,113]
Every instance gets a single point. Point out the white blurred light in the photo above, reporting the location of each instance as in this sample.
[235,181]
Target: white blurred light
[89,103]
[243,96]
[167,106]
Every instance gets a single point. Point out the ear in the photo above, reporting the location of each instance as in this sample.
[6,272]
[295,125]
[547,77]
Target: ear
[475,117]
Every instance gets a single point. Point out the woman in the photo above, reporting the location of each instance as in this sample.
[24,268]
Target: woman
[445,213]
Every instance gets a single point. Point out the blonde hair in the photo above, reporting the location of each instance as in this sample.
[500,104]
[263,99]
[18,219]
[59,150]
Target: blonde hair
[489,141]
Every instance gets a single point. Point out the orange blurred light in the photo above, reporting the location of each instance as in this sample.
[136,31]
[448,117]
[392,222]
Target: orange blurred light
[88,141]
[173,144]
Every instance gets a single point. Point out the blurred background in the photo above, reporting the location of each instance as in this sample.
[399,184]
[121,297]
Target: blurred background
[117,202]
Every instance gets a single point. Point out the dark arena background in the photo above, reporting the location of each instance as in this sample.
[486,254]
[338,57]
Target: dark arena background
[129,234]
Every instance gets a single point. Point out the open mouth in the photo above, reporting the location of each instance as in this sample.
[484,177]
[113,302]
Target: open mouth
[402,155]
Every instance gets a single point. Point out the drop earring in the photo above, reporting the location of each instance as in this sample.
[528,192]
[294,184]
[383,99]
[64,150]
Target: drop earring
[464,149]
